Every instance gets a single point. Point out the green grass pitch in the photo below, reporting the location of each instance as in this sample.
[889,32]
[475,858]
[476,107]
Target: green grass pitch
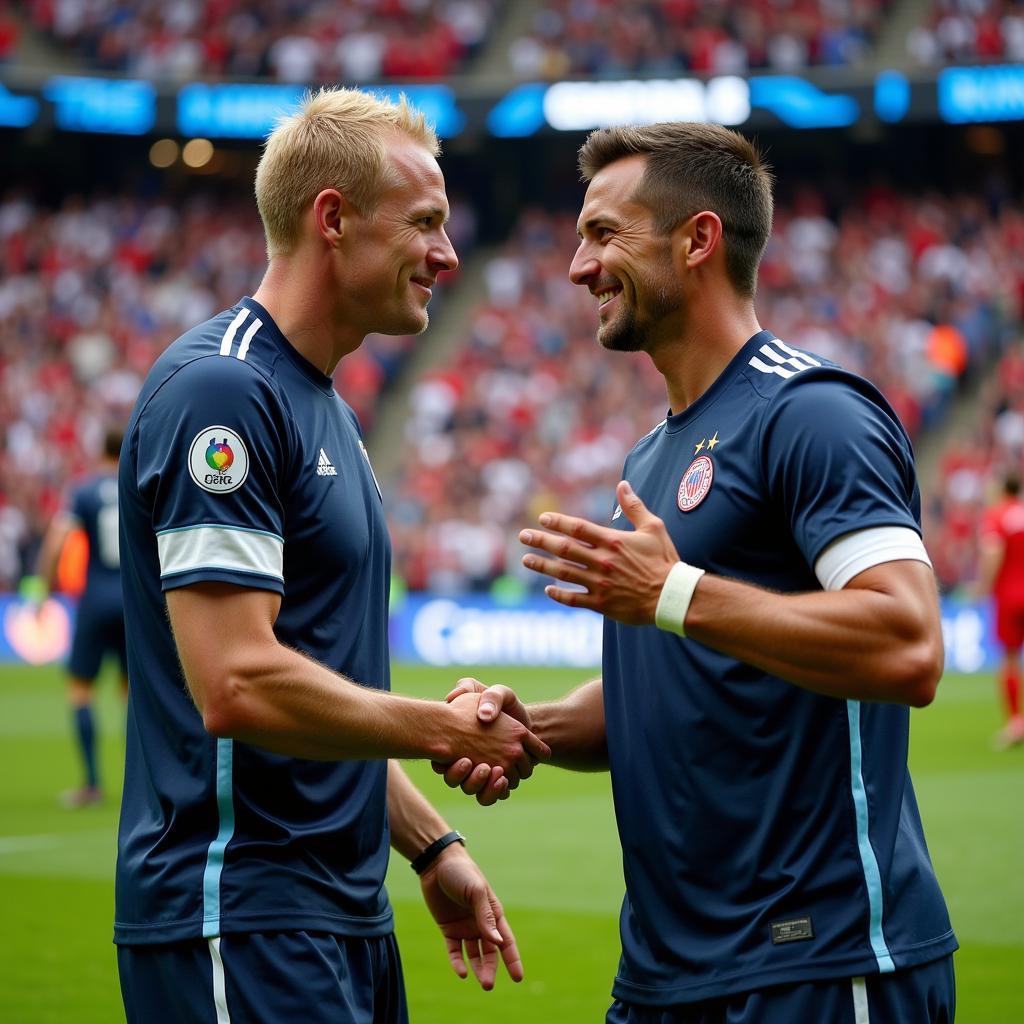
[551,853]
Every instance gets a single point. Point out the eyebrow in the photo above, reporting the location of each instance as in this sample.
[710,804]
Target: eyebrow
[590,223]
[433,211]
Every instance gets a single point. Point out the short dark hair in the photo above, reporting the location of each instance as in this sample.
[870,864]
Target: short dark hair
[112,439]
[693,167]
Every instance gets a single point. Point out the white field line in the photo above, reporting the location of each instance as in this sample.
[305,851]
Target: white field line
[45,841]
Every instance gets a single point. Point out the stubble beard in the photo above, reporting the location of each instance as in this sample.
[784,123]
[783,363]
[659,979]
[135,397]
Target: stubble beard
[628,332]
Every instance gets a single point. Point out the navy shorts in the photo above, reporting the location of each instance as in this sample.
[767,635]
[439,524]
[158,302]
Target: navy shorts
[264,978]
[917,995]
[99,630]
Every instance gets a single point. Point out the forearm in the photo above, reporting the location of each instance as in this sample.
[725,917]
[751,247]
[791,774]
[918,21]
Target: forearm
[275,698]
[856,643]
[414,822]
[574,728]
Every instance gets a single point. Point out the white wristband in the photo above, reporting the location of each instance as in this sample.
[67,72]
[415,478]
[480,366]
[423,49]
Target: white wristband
[676,595]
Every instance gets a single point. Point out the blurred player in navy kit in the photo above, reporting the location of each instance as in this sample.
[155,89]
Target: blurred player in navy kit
[99,621]
[770,616]
[259,800]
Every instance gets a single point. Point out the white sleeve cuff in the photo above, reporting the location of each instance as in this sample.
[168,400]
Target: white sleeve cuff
[854,552]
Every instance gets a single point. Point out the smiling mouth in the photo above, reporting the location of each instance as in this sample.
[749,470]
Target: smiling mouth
[423,285]
[603,298]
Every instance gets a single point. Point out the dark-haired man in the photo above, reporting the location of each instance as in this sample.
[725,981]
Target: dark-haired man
[770,616]
[99,621]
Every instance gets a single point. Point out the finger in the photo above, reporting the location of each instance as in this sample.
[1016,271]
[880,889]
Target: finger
[555,544]
[483,913]
[455,956]
[467,684]
[455,773]
[496,699]
[477,779]
[571,598]
[496,789]
[636,511]
[510,951]
[536,748]
[582,530]
[559,569]
[488,966]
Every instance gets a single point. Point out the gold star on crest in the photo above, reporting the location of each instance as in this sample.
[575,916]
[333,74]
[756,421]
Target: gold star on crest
[700,446]
[713,442]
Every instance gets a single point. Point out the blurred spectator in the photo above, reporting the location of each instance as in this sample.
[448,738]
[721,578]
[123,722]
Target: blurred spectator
[955,31]
[291,41]
[909,291]
[90,294]
[616,38]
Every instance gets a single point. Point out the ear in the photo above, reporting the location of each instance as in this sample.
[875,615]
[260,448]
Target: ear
[331,215]
[697,239]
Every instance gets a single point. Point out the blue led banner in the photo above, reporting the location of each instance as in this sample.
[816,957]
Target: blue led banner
[474,630]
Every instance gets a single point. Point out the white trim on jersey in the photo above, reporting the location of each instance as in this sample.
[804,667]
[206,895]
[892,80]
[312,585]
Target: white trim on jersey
[854,552]
[861,1014]
[243,349]
[229,335]
[794,359]
[220,995]
[220,547]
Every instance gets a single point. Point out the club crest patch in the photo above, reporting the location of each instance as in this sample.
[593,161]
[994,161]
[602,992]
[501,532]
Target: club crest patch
[696,483]
[217,460]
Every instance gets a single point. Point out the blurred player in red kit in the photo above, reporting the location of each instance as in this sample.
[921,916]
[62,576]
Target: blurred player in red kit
[1002,574]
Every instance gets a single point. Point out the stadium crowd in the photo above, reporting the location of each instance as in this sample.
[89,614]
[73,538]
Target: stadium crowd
[290,41]
[968,30]
[910,291]
[613,38]
[90,294]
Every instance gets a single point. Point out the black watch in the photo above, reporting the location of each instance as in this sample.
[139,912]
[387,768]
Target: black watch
[423,860]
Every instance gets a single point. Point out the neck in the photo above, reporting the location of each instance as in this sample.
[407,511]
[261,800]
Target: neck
[711,335]
[297,293]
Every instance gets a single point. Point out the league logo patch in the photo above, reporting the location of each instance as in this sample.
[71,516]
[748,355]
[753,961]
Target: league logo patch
[696,483]
[217,460]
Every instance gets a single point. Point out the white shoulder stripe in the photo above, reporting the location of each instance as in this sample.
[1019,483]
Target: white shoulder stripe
[243,349]
[794,359]
[854,552]
[799,355]
[229,334]
[760,364]
[220,547]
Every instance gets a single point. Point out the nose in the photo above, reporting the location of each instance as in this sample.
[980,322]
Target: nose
[584,267]
[442,254]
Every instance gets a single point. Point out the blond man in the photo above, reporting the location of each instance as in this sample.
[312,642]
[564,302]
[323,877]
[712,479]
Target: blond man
[259,797]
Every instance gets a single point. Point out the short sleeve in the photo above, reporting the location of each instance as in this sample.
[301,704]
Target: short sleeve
[838,461]
[210,451]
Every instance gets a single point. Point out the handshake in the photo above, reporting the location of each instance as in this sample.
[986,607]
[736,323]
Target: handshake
[500,748]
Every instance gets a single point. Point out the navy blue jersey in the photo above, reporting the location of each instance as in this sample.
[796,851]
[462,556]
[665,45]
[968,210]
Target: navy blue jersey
[770,835]
[94,508]
[242,465]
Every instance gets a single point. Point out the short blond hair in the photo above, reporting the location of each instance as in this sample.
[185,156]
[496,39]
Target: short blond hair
[336,139]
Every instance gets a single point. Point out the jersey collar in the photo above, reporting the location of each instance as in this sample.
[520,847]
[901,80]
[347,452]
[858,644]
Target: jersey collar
[317,377]
[677,421]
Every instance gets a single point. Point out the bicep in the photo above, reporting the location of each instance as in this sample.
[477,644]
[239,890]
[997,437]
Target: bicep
[217,628]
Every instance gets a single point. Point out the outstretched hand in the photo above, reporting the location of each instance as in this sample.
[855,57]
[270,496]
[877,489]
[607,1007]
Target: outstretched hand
[622,572]
[470,917]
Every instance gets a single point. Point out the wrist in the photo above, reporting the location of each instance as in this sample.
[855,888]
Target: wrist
[430,854]
[676,595]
